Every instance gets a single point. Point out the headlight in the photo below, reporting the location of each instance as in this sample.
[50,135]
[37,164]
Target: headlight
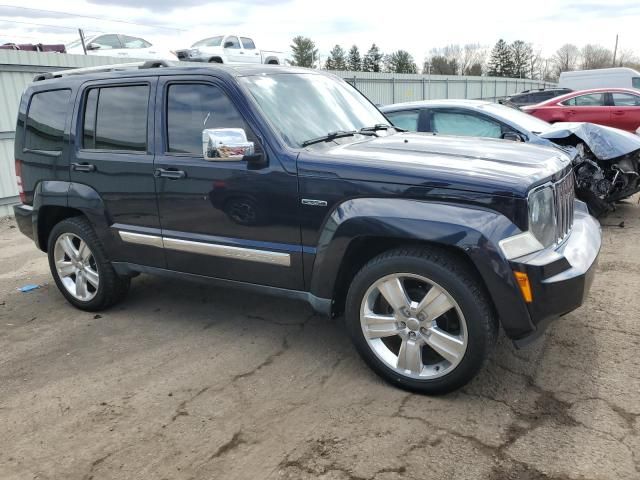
[542,216]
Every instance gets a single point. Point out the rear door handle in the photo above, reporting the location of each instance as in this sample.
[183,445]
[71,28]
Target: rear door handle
[83,167]
[618,112]
[171,173]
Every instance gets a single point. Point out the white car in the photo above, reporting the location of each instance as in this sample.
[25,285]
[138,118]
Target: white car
[229,49]
[118,45]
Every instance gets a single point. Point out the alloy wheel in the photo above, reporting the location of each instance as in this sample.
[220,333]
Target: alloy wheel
[414,326]
[76,267]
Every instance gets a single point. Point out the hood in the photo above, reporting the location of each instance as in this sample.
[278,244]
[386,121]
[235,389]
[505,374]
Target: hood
[476,164]
[606,143]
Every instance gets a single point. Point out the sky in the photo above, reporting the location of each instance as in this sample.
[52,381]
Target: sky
[416,26]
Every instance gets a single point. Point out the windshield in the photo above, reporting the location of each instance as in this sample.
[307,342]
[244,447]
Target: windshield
[306,106]
[518,117]
[209,42]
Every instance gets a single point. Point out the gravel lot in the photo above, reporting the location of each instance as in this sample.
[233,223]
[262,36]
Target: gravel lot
[182,381]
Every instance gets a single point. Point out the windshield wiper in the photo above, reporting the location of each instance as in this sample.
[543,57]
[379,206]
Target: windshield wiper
[337,134]
[381,126]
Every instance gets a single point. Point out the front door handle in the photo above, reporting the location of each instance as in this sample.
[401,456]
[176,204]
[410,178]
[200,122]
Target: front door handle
[618,112]
[169,173]
[83,167]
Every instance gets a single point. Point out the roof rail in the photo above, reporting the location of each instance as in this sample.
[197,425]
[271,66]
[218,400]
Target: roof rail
[103,68]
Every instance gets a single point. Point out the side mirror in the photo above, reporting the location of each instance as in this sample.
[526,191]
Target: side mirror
[93,46]
[228,44]
[225,144]
[513,136]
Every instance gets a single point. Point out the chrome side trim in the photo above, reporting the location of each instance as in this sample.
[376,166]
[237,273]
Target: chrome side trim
[226,251]
[141,239]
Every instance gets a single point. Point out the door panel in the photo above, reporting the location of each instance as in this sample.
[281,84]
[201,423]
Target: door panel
[113,156]
[625,113]
[587,108]
[221,218]
[252,54]
[234,53]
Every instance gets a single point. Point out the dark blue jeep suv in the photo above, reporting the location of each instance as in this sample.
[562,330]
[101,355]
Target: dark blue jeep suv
[289,181]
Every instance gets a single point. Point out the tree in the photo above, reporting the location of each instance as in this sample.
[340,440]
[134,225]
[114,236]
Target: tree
[372,60]
[400,61]
[304,52]
[521,54]
[596,56]
[336,60]
[501,62]
[472,59]
[440,65]
[566,58]
[354,61]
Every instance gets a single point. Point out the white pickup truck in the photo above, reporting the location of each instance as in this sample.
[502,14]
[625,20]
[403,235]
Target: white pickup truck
[229,49]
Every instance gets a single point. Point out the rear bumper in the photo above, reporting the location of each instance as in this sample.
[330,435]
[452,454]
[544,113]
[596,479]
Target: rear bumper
[24,219]
[561,278]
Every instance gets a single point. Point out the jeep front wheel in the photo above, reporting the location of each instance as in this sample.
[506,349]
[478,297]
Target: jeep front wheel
[420,319]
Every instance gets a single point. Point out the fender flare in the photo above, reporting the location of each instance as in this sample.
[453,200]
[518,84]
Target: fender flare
[76,196]
[474,231]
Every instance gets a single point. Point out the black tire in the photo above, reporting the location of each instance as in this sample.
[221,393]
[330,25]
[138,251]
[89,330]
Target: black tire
[111,288]
[460,283]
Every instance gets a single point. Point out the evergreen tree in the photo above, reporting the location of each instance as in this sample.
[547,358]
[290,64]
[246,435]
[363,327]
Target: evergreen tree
[354,61]
[304,52]
[400,61]
[501,62]
[372,60]
[336,60]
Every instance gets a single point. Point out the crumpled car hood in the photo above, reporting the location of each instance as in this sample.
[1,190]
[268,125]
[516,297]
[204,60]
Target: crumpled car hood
[606,143]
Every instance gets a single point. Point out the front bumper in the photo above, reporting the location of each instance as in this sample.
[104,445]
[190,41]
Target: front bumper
[560,278]
[24,219]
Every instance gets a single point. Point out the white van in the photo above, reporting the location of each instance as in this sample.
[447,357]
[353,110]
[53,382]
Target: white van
[603,78]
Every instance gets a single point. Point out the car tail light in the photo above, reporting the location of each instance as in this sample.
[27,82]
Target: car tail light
[23,197]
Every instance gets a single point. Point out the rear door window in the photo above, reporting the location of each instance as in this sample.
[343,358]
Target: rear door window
[464,124]
[247,43]
[134,42]
[406,119]
[116,118]
[45,120]
[625,100]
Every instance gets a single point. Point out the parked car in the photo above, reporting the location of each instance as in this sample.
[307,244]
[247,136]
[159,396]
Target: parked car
[615,107]
[531,97]
[119,45]
[424,242]
[233,49]
[606,162]
[619,77]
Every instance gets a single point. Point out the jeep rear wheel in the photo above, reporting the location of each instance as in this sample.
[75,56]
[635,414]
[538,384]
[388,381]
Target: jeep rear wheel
[420,320]
[80,268]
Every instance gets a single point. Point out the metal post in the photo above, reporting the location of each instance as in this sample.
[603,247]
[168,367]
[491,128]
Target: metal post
[393,92]
[495,89]
[424,94]
[447,85]
[466,88]
[481,90]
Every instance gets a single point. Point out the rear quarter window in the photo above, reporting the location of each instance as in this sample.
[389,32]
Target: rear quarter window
[45,120]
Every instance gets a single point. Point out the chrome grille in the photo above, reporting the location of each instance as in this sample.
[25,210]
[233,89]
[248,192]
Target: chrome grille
[564,195]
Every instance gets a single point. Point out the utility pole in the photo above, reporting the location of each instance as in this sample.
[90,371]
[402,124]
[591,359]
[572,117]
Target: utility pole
[84,47]
[615,50]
